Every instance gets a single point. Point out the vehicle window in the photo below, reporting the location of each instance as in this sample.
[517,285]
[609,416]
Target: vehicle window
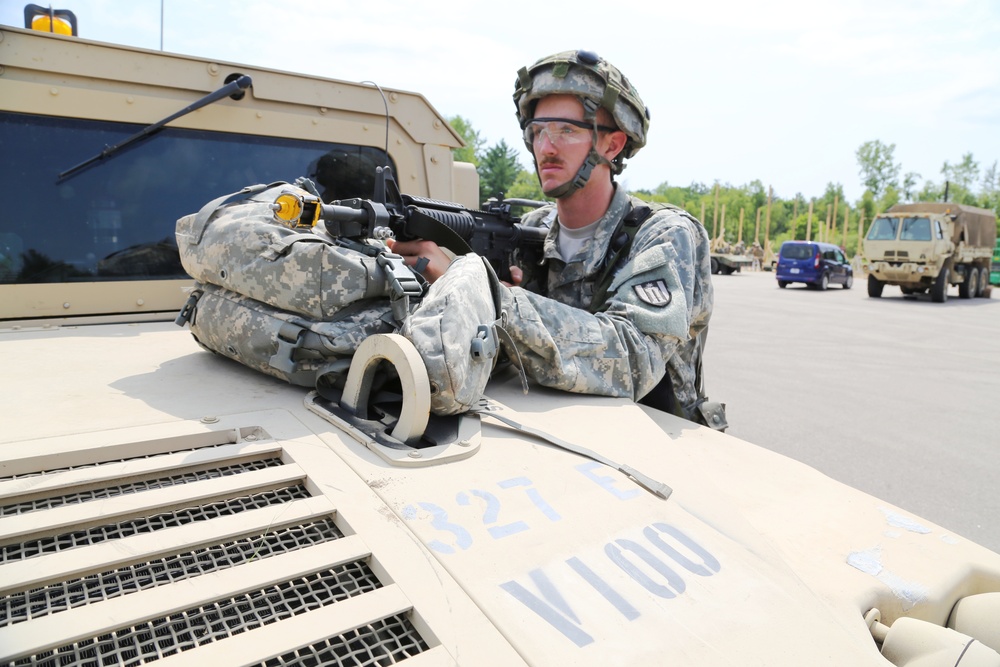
[938,232]
[796,251]
[915,229]
[883,229]
[839,256]
[830,255]
[116,219]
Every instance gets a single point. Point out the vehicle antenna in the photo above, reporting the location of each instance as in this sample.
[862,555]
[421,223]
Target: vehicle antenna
[386,104]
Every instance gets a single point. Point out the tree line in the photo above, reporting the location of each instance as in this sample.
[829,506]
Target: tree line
[754,212]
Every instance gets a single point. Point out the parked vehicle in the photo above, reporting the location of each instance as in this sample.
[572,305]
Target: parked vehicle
[929,246]
[816,264]
[165,503]
[728,263]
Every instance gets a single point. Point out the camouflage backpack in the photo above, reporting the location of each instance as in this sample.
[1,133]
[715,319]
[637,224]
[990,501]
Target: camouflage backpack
[296,302]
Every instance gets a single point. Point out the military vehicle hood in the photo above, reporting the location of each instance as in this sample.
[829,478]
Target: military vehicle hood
[503,549]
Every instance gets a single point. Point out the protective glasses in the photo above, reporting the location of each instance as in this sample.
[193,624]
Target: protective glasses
[561,131]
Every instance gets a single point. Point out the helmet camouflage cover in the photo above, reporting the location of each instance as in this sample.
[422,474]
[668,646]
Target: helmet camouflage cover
[596,82]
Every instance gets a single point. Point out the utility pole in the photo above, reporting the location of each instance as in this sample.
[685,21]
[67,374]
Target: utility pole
[832,223]
[847,210]
[767,229]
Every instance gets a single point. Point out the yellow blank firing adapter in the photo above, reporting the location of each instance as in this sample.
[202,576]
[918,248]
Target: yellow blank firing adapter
[292,210]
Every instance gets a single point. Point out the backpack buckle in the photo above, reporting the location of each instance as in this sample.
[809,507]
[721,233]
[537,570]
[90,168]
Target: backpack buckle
[289,340]
[484,344]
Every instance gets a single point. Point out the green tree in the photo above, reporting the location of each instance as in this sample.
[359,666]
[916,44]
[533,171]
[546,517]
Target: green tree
[989,194]
[890,198]
[931,192]
[867,207]
[910,185]
[473,142]
[961,178]
[498,170]
[991,181]
[526,186]
[877,166]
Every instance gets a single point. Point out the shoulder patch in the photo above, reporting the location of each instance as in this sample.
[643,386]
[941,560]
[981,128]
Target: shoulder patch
[654,293]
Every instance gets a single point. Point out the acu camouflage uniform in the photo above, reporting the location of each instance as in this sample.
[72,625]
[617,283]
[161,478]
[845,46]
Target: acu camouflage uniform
[624,349]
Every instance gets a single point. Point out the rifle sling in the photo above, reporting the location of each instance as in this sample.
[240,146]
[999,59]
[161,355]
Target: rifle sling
[621,244]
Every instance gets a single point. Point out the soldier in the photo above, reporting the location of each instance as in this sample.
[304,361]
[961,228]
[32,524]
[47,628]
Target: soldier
[626,295]
[758,255]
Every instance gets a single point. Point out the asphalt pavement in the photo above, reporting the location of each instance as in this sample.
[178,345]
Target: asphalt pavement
[897,396]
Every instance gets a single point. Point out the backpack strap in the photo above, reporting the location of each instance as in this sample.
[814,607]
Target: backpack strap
[201,218]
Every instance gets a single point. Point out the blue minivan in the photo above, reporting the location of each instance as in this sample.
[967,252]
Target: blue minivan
[813,263]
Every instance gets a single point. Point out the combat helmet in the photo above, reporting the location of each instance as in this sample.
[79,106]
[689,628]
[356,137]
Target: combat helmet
[598,84]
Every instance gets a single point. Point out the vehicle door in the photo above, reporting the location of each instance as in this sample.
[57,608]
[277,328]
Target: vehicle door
[829,264]
[842,267]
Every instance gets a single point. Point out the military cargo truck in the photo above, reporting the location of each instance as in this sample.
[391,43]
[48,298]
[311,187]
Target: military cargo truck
[163,504]
[930,246]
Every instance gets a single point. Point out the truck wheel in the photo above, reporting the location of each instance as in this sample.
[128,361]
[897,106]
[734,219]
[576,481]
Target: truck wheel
[824,282]
[849,281]
[967,288]
[782,284]
[715,265]
[984,281]
[875,287]
[939,290]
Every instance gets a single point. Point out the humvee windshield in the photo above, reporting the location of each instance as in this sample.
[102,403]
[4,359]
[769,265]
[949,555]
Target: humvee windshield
[883,229]
[115,220]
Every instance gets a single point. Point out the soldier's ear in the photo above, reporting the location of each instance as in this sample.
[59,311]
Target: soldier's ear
[613,144]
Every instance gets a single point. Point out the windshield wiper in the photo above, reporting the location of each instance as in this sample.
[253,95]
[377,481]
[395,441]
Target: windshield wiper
[234,89]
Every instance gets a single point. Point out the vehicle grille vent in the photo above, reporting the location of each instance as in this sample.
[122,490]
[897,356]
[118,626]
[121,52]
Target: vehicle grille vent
[384,642]
[135,487]
[167,546]
[115,583]
[147,524]
[890,253]
[189,629]
[902,254]
[225,439]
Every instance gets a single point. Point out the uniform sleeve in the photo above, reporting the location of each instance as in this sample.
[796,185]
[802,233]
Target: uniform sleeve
[621,351]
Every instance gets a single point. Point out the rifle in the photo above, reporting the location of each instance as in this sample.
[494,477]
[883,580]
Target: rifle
[494,234]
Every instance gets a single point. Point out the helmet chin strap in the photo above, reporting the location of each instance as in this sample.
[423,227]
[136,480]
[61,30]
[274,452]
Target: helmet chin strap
[578,181]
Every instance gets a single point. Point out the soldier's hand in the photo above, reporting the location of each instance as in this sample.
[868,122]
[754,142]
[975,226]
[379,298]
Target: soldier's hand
[413,251]
[516,276]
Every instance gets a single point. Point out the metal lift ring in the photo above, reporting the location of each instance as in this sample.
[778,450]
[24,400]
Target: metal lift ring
[401,353]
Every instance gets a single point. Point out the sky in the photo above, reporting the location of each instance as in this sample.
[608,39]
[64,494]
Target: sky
[780,91]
